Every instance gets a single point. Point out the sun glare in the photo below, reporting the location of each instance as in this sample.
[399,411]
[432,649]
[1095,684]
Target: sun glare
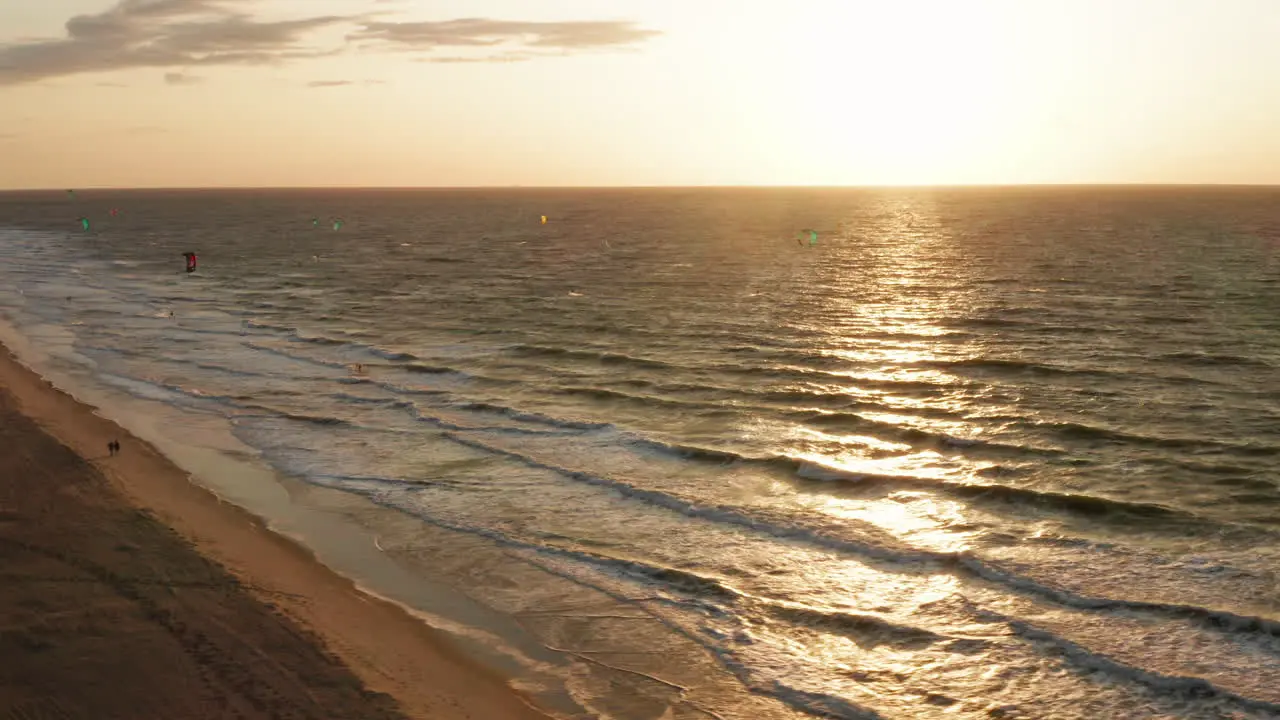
[893,95]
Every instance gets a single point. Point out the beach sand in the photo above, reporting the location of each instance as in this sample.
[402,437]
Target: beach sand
[127,591]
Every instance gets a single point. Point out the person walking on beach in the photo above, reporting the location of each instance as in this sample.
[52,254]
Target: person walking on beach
[113,447]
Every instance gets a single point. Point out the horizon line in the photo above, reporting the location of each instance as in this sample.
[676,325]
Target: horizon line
[893,186]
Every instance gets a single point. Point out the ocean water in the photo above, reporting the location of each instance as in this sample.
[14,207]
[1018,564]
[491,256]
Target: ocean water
[987,453]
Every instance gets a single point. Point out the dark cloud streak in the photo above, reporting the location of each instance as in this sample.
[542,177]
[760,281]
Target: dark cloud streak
[342,83]
[160,34]
[481,32]
[457,59]
[201,33]
[173,78]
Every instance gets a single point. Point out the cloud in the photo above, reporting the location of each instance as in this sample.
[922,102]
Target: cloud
[510,57]
[341,83]
[175,78]
[202,33]
[160,33]
[144,130]
[482,32]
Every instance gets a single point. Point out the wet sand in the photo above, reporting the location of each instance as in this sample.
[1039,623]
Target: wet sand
[126,591]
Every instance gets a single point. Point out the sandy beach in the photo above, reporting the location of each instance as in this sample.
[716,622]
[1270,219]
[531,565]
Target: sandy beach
[127,591]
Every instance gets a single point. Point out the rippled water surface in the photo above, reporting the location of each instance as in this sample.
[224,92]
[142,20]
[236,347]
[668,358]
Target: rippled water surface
[976,454]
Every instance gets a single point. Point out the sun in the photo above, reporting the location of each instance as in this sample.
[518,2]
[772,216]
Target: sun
[892,93]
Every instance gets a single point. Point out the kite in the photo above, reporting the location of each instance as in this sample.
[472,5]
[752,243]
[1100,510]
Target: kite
[544,219]
[813,237]
[337,224]
[84,222]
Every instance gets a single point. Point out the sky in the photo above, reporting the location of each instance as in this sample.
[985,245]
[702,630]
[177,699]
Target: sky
[263,93]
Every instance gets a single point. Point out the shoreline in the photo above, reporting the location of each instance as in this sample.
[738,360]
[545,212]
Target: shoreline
[387,648]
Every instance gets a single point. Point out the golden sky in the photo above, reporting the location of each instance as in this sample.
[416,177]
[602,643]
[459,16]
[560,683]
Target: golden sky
[194,93]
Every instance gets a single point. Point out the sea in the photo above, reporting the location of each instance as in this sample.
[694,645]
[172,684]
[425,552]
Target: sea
[975,453]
